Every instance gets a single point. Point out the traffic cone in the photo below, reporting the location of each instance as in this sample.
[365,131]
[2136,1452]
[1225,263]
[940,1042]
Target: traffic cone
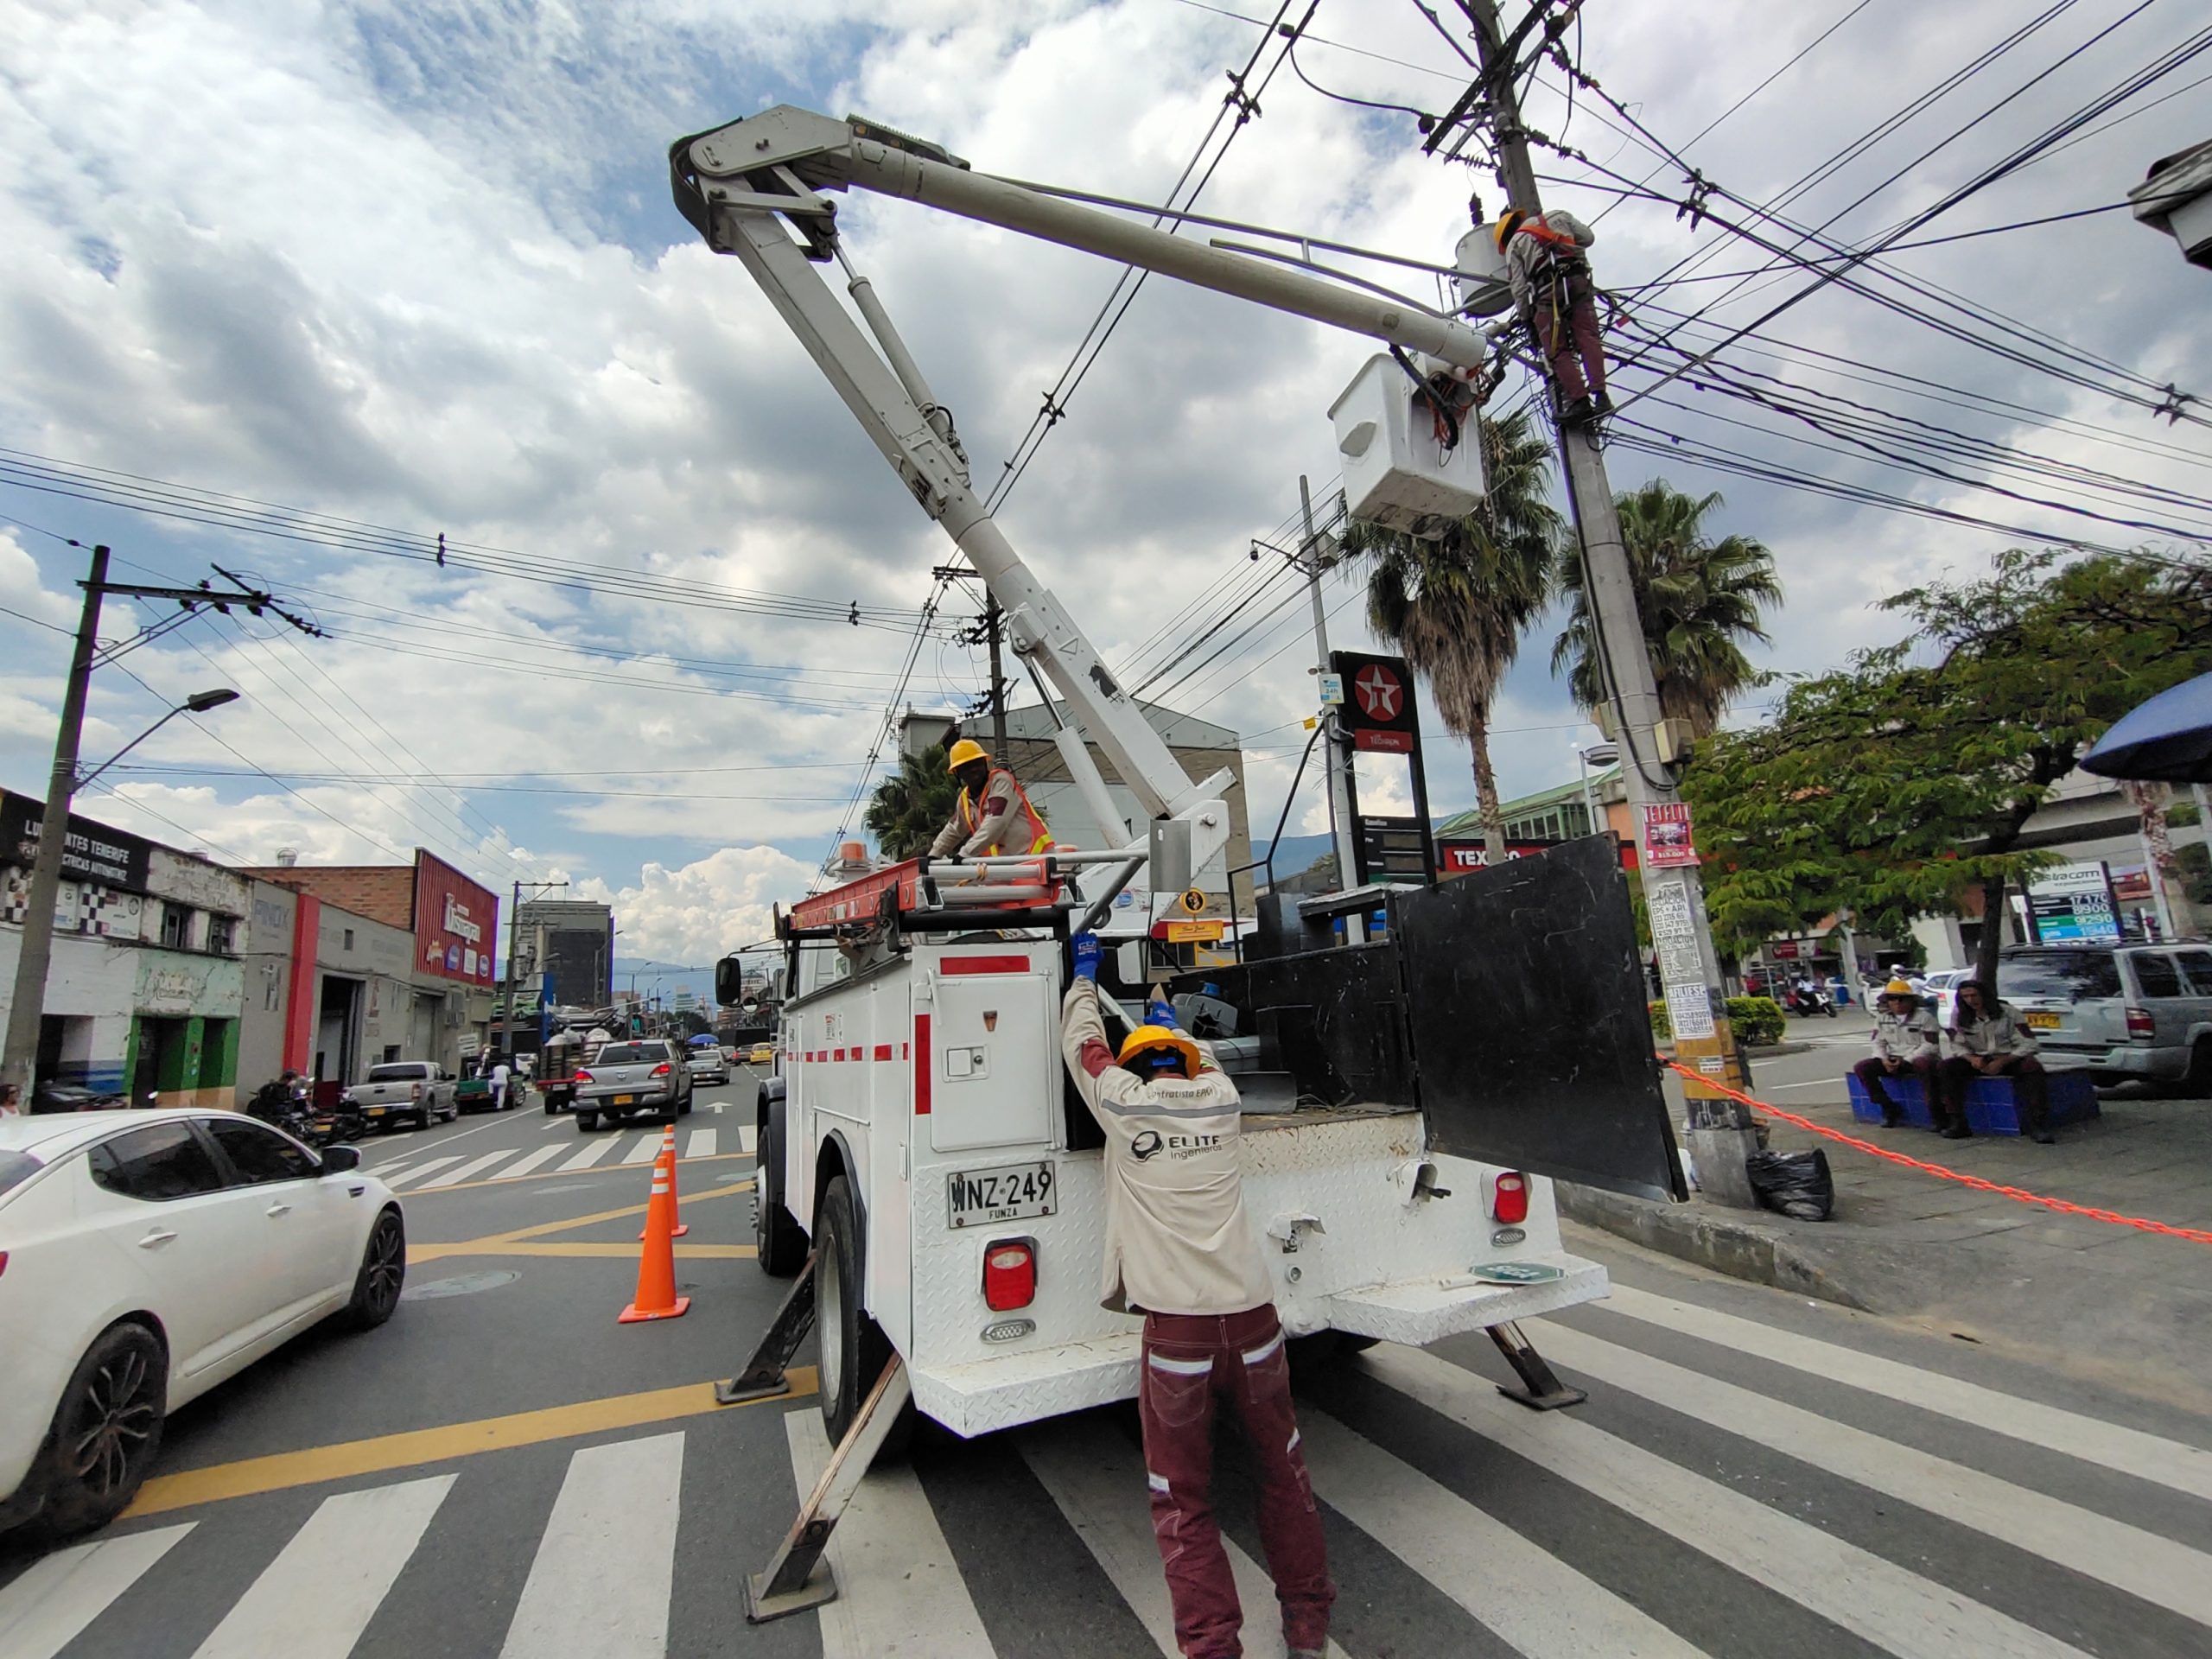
[657,1298]
[666,1155]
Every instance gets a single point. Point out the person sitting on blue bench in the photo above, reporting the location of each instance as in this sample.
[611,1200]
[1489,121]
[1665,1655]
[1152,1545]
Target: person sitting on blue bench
[1988,1038]
[1905,1039]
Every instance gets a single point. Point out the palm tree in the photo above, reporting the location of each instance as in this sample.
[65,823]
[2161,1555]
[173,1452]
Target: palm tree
[1457,607]
[1699,599]
[910,806]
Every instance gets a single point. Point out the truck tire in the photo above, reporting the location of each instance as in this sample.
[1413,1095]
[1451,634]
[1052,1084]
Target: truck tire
[779,1246]
[852,1349]
[586,1122]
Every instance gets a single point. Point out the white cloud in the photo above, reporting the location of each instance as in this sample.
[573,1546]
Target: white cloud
[703,910]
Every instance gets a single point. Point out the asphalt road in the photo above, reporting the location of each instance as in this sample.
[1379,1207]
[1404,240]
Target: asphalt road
[504,1470]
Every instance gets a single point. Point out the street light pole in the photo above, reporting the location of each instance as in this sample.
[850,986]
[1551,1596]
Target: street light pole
[1674,895]
[1341,827]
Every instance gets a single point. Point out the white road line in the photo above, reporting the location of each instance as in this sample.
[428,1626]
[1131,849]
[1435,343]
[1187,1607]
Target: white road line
[420,1171]
[590,1156]
[2109,1445]
[1889,1606]
[473,1167]
[602,1579]
[42,1611]
[645,1151]
[898,1589]
[316,1597]
[748,1139]
[1537,1604]
[716,1109]
[1097,1479]
[385,1172]
[2169,1574]
[1817,1083]
[701,1144]
[529,1161]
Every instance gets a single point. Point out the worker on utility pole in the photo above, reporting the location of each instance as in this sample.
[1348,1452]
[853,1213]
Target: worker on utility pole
[1179,1249]
[992,816]
[1549,270]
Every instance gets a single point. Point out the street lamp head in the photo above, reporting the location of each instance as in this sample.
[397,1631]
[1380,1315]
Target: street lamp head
[200,702]
[1600,755]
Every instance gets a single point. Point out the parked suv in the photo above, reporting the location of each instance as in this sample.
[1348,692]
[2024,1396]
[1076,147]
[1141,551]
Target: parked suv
[650,1075]
[2118,1011]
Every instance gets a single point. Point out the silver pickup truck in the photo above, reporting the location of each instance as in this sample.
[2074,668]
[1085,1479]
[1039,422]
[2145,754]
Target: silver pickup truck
[419,1091]
[650,1075]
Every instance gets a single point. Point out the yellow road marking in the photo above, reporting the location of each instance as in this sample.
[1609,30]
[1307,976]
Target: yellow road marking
[488,1245]
[551,1174]
[314,1464]
[422,1253]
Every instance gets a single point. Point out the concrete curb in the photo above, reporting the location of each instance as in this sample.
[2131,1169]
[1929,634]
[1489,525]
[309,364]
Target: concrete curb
[1754,1051]
[1743,1249]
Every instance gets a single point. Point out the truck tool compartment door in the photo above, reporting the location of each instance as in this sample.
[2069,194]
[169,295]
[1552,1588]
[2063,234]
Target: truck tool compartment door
[993,1048]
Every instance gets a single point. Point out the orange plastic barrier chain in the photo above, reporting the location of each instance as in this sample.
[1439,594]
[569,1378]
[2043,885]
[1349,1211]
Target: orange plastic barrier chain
[2018,1194]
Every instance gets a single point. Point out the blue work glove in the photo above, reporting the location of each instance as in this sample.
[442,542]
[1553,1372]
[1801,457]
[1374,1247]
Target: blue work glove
[1159,1011]
[1087,952]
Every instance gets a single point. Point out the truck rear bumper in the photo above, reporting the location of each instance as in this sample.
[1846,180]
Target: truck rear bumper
[1010,1390]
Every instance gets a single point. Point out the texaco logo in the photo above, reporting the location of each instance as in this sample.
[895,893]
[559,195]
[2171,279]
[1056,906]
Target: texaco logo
[1380,695]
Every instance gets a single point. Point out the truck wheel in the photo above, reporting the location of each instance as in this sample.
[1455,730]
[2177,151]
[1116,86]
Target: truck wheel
[2198,1081]
[779,1246]
[852,1349]
[549,1106]
[586,1122]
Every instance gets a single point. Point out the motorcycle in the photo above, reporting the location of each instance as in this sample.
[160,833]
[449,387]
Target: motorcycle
[287,1107]
[1806,1002]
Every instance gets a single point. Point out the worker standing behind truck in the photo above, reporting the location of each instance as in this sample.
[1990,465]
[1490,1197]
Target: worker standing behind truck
[1179,1249]
[992,816]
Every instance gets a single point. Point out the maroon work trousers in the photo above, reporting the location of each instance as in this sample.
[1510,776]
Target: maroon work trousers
[1193,1363]
[1570,343]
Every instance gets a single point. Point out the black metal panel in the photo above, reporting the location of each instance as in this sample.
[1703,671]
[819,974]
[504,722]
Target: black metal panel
[1532,1044]
[1333,1020]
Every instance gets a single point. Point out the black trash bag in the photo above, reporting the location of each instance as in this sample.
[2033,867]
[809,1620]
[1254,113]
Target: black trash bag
[1797,1183]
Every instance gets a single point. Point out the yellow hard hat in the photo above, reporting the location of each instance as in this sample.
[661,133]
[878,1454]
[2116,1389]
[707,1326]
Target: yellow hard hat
[1899,988]
[1509,221]
[965,750]
[1154,1037]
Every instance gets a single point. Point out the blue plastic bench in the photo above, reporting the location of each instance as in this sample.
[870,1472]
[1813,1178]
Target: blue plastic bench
[1990,1107]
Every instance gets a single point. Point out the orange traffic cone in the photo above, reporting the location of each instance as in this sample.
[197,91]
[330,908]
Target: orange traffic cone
[657,1298]
[666,1156]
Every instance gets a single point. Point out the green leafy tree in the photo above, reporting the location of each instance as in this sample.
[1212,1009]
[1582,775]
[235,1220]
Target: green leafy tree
[1899,785]
[1457,607]
[1700,600]
[910,806]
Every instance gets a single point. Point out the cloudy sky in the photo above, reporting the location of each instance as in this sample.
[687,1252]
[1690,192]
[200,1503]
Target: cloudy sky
[324,282]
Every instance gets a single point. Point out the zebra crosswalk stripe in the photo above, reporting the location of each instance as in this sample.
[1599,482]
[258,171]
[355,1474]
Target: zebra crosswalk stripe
[701,1144]
[1537,1603]
[43,1610]
[590,1156]
[316,1597]
[421,1170]
[899,1590]
[473,1167]
[748,1139]
[1889,1606]
[1097,1480]
[529,1161]
[2110,1446]
[2160,1571]
[643,1152]
[600,1582]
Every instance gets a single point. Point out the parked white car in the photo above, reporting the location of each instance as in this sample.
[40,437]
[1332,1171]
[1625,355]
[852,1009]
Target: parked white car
[146,1256]
[1943,993]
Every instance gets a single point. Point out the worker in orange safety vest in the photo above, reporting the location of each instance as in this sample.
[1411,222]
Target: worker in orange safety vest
[993,817]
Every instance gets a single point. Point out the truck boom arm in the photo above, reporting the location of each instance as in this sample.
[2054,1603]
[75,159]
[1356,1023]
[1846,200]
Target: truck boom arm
[752,189]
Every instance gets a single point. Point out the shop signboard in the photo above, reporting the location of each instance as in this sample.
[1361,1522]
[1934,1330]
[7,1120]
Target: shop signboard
[1666,836]
[2074,901]
[93,854]
[1457,857]
[456,923]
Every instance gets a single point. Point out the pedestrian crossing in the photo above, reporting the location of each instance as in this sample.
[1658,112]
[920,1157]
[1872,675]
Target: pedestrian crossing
[1681,1513]
[429,1175]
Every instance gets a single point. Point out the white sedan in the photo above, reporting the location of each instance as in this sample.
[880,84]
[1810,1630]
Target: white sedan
[144,1257]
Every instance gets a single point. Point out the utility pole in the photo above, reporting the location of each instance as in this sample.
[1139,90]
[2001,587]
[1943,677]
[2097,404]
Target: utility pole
[1720,1132]
[514,928]
[1341,829]
[991,633]
[26,1011]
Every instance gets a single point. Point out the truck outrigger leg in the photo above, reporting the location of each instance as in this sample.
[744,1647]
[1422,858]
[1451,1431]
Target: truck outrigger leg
[1540,1391]
[762,1376]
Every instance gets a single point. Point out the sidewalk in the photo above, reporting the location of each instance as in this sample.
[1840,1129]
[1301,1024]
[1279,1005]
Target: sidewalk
[2106,1301]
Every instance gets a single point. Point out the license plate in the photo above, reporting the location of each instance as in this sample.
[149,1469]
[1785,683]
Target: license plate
[977,1196]
[625,1100]
[376,1111]
[2038,1020]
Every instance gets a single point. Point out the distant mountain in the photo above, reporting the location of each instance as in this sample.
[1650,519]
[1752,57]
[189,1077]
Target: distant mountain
[1293,854]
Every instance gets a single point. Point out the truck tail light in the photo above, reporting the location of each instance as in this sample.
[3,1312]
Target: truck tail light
[582,1076]
[1509,1199]
[1009,1274]
[661,1070]
[3,1261]
[414,1092]
[2141,1028]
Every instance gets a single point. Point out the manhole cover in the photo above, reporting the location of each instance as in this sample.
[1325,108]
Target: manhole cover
[461,1284]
